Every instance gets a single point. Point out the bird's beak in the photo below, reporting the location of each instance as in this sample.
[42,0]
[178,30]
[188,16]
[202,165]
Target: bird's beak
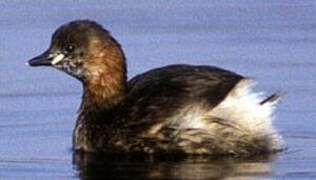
[46,59]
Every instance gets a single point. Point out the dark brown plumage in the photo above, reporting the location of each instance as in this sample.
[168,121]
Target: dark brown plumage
[177,108]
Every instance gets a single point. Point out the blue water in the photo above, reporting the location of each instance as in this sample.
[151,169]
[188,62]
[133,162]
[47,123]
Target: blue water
[271,41]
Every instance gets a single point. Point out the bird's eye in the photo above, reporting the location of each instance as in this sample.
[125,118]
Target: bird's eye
[69,49]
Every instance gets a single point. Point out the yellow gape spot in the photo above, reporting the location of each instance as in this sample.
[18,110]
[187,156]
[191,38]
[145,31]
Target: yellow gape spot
[57,59]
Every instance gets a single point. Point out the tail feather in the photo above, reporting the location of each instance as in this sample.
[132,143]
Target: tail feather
[272,98]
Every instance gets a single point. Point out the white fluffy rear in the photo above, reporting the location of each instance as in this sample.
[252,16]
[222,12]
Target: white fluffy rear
[243,107]
[240,124]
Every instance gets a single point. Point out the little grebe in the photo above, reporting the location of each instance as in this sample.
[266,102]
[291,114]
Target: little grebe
[177,108]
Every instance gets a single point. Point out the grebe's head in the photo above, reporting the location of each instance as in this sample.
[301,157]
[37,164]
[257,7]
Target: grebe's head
[85,50]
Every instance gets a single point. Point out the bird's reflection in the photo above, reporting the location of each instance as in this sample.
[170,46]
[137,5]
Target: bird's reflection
[92,166]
